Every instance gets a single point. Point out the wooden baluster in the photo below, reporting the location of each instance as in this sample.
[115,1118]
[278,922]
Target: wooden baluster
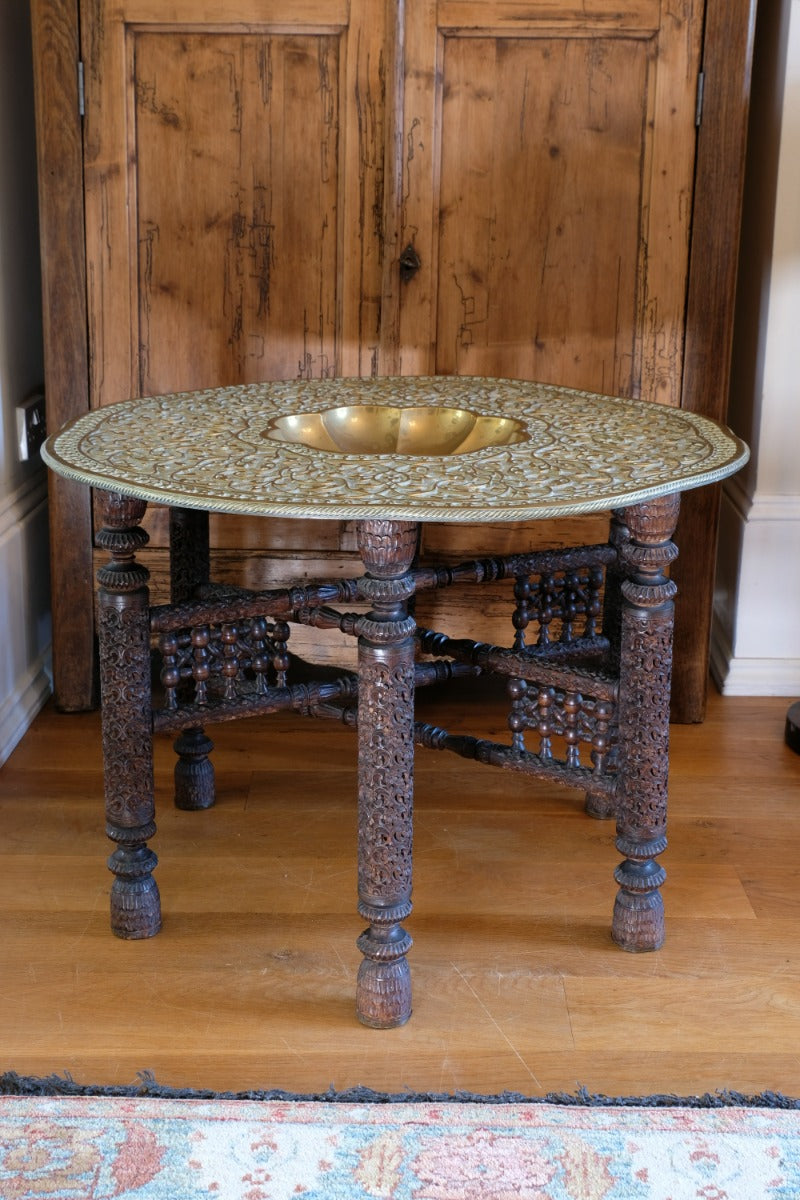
[189,565]
[601,742]
[544,722]
[385,770]
[280,661]
[522,613]
[229,667]
[169,647]
[201,658]
[124,636]
[570,599]
[572,713]
[645,675]
[260,659]
[545,598]
[517,688]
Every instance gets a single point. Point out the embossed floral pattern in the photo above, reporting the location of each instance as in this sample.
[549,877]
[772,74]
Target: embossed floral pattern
[90,1148]
[581,452]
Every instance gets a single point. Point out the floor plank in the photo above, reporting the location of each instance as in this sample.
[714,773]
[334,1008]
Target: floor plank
[517,985]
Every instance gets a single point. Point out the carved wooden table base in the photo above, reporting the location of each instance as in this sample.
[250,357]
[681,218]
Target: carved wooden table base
[608,688]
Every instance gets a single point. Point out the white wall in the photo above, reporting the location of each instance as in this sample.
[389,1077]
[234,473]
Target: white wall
[756,638]
[24,570]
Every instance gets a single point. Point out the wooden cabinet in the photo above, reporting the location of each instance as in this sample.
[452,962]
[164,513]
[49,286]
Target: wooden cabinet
[253,171]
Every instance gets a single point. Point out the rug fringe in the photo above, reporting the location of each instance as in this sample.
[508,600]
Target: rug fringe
[12,1084]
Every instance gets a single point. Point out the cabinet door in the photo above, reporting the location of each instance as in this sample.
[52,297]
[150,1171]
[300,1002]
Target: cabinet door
[547,190]
[550,151]
[234,165]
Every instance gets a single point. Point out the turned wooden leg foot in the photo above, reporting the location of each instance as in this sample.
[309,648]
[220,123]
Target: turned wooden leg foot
[385,771]
[383,987]
[135,901]
[638,922]
[645,675]
[194,771]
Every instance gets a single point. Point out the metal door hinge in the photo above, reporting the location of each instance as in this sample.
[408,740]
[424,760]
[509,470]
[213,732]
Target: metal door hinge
[81,92]
[698,111]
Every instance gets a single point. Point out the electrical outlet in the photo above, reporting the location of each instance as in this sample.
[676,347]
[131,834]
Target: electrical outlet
[31,427]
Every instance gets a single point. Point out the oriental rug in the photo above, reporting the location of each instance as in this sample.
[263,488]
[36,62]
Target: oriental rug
[364,1146]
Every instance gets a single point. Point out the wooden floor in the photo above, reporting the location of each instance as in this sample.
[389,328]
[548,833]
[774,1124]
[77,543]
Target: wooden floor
[517,984]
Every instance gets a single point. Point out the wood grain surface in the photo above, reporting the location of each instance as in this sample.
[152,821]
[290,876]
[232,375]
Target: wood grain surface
[250,983]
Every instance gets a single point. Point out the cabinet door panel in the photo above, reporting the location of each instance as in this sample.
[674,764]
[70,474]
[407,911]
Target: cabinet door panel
[549,165]
[549,158]
[232,171]
[236,213]
[525,286]
[234,178]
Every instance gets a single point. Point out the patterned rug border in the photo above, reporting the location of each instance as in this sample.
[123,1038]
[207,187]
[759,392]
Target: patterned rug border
[12,1084]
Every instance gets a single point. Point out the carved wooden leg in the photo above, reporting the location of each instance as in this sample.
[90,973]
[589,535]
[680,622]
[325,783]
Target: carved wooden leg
[599,804]
[124,633]
[385,771]
[189,565]
[645,673]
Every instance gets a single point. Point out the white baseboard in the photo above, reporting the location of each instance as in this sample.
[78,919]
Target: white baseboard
[18,711]
[751,676]
[760,506]
[25,672]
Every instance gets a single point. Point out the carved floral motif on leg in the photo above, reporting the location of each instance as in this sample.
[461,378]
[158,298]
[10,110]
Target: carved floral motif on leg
[645,675]
[385,773]
[124,635]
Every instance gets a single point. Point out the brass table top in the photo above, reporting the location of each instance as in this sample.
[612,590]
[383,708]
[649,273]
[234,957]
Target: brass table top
[447,448]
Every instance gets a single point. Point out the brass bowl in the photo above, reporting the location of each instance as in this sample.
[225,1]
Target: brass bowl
[424,431]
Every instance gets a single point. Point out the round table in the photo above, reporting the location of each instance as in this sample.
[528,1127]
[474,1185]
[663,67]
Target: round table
[390,453]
